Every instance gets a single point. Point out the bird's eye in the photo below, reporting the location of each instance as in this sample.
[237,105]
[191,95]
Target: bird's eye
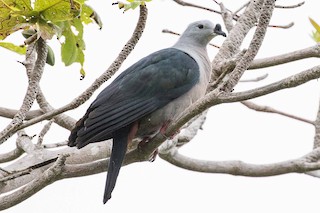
[200,26]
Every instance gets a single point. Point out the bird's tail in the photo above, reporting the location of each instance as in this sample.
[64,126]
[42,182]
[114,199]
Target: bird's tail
[119,148]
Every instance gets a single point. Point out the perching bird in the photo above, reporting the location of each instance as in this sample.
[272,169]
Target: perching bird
[147,96]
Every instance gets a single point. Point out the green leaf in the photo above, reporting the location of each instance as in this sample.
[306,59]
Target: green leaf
[18,49]
[72,48]
[69,50]
[57,10]
[10,19]
[88,13]
[50,56]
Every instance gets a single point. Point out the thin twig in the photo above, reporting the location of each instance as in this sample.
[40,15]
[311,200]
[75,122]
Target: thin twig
[268,109]
[282,26]
[44,131]
[242,7]
[183,3]
[257,79]
[178,34]
[290,6]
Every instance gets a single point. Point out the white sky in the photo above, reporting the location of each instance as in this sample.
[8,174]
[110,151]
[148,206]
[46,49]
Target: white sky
[232,132]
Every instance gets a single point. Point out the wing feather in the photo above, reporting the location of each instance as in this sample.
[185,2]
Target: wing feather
[144,87]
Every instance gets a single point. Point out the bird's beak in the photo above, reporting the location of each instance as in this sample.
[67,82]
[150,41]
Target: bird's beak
[217,30]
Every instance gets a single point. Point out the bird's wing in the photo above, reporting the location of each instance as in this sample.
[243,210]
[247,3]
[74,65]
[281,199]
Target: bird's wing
[146,86]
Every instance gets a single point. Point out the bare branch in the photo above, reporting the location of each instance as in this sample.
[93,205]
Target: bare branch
[232,43]
[48,177]
[183,3]
[178,34]
[62,120]
[44,131]
[31,91]
[9,156]
[268,109]
[241,8]
[290,6]
[253,48]
[10,113]
[259,78]
[16,174]
[287,26]
[104,77]
[227,17]
[289,82]
[300,165]
[316,140]
[309,52]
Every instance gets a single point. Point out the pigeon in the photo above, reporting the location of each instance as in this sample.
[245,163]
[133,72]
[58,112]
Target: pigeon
[146,97]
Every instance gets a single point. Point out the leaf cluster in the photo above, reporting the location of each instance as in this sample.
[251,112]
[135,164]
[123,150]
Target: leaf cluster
[45,19]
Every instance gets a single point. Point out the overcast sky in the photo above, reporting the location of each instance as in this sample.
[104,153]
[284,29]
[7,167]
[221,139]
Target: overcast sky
[231,132]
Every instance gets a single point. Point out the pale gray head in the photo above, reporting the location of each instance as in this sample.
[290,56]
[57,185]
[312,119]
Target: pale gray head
[201,32]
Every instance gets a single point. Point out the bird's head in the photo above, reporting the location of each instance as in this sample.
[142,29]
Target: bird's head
[202,32]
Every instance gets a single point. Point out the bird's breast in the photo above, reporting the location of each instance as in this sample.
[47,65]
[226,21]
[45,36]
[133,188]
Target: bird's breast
[152,123]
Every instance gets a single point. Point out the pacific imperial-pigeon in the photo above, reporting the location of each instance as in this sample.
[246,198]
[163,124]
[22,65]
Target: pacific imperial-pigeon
[147,96]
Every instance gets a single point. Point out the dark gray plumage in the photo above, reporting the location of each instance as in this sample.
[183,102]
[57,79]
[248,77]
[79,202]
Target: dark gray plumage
[147,96]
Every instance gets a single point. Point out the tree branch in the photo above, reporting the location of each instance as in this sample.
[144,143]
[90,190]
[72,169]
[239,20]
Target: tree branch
[183,3]
[300,165]
[31,91]
[316,140]
[253,48]
[290,6]
[232,43]
[10,113]
[268,109]
[48,177]
[309,52]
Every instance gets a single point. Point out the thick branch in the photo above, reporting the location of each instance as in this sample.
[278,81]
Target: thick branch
[300,165]
[48,177]
[232,43]
[254,46]
[9,156]
[31,91]
[316,140]
[309,52]
[10,113]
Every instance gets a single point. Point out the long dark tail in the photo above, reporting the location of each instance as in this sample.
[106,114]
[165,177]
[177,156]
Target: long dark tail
[119,148]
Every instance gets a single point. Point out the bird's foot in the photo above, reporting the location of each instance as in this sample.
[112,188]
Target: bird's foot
[141,145]
[153,156]
[163,131]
